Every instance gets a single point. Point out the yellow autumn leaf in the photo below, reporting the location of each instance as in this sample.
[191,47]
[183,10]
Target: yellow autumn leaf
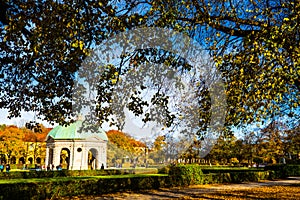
[81,44]
[35,49]
[114,81]
[295,105]
[75,44]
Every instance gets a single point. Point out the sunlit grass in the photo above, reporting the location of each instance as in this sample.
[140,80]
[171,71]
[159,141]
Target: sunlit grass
[56,179]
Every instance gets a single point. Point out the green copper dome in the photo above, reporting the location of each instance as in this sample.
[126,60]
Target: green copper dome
[73,132]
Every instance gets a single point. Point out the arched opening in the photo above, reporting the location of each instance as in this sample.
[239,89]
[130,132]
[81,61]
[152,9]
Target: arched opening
[38,160]
[2,158]
[13,160]
[92,159]
[30,160]
[65,158]
[22,160]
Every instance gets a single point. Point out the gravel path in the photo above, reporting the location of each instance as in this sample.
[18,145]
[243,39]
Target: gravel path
[189,192]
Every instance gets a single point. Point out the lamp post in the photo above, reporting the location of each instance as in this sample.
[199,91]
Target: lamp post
[146,151]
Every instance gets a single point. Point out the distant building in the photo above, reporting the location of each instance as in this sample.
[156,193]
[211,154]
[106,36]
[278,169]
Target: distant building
[30,153]
[74,149]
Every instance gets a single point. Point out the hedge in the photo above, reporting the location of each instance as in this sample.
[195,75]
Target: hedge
[192,174]
[71,186]
[284,171]
[180,175]
[85,186]
[228,170]
[73,173]
[185,175]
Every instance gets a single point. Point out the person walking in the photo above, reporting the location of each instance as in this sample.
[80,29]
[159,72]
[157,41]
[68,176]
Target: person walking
[1,167]
[7,167]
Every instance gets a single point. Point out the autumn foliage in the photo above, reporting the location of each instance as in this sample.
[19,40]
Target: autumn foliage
[30,136]
[20,144]
[123,140]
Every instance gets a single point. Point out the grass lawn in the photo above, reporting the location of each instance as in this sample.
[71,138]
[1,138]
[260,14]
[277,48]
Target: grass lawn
[56,179]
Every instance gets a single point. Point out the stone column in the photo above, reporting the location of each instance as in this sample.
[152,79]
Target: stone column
[104,154]
[47,157]
[98,158]
[85,154]
[56,156]
[71,156]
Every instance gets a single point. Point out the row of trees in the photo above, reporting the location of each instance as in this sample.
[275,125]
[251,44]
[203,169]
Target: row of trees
[275,143]
[272,144]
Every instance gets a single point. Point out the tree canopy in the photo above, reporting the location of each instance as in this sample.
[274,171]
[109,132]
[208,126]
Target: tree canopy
[255,44]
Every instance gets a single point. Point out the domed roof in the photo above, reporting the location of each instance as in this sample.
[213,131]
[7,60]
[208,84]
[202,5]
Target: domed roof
[73,132]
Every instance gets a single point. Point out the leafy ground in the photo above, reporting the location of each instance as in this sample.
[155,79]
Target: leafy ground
[281,189]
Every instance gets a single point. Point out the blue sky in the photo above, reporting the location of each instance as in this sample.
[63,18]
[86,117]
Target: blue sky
[20,121]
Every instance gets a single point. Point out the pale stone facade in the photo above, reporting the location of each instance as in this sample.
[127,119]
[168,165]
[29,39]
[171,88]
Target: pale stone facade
[74,150]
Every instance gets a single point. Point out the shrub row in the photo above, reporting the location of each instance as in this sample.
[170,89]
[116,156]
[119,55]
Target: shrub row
[215,169]
[229,170]
[192,174]
[73,173]
[185,175]
[180,175]
[72,187]
[283,171]
[238,177]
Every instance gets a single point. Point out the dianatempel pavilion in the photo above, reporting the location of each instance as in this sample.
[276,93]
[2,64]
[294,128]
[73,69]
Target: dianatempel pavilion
[76,149]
